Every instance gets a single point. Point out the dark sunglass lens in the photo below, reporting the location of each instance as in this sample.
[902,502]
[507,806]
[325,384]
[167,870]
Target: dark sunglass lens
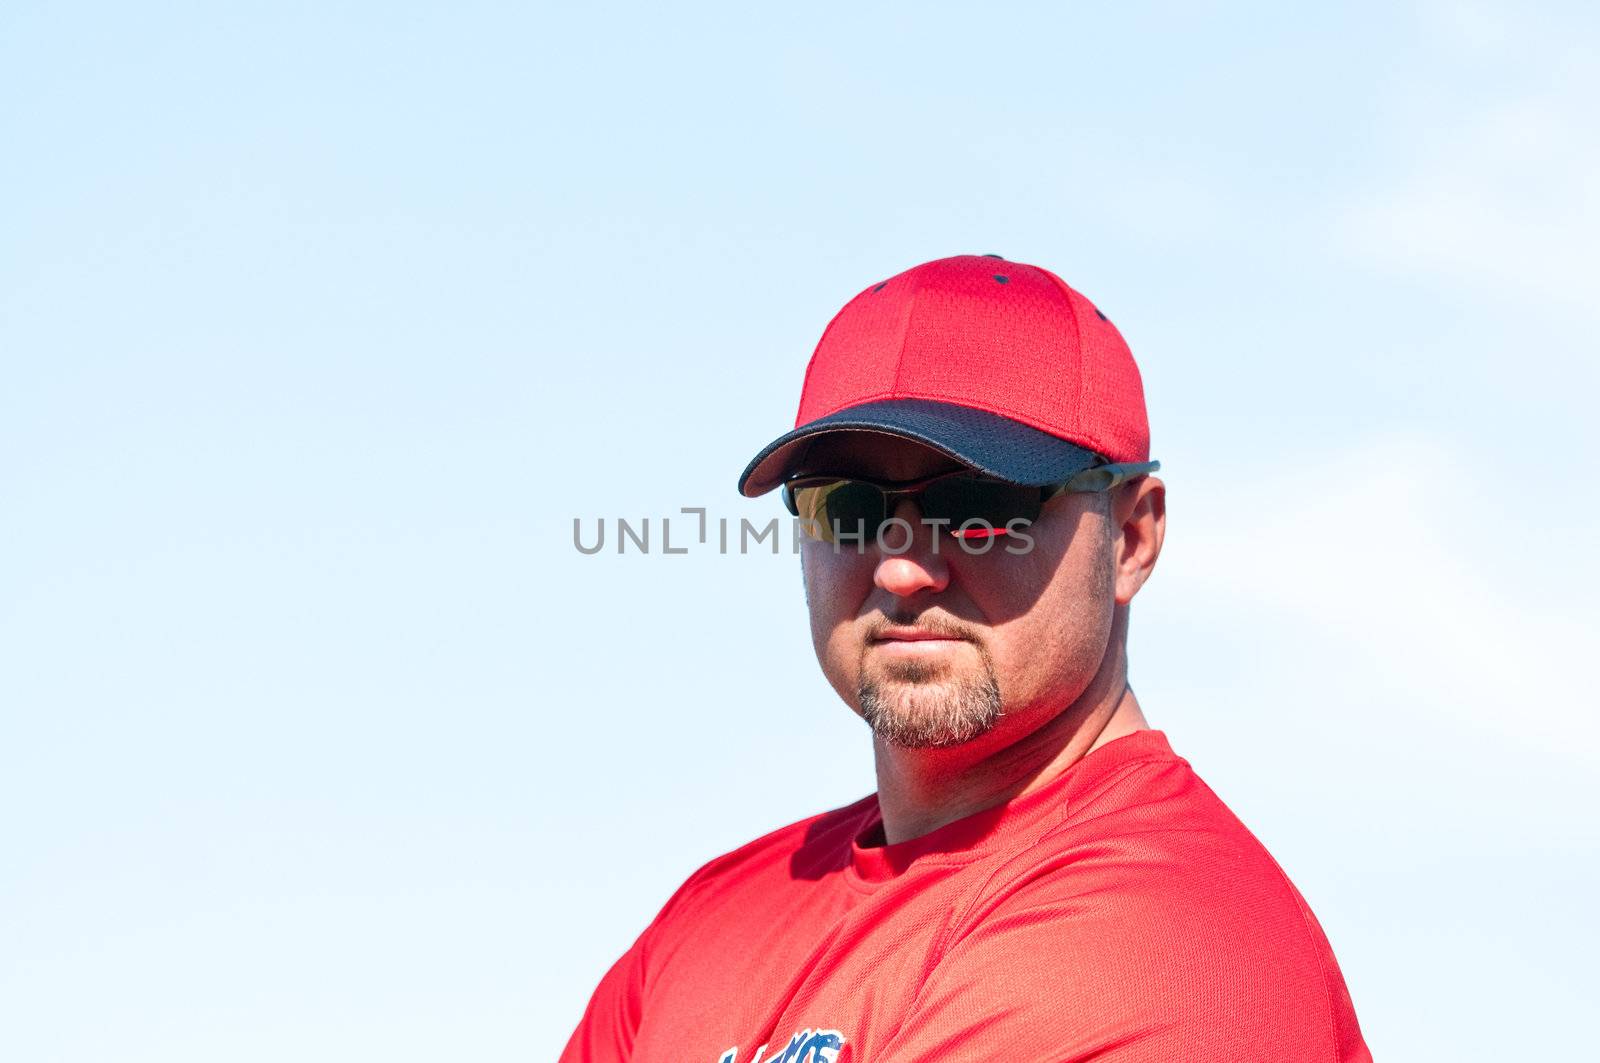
[843,510]
[977,508]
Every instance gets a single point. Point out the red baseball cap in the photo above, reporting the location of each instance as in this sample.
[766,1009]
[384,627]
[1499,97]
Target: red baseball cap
[997,364]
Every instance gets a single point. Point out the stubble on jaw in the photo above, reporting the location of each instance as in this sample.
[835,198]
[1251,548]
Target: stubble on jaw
[915,705]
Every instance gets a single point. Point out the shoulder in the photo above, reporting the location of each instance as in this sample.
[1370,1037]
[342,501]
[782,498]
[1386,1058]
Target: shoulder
[809,848]
[1151,905]
[1150,840]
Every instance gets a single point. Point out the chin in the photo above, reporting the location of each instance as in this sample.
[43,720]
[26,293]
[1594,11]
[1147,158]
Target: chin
[929,714]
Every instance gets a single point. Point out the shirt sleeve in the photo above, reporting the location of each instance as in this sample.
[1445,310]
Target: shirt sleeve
[1131,953]
[610,1023]
[605,1033]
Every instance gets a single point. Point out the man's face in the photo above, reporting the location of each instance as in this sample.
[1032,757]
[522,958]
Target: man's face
[937,646]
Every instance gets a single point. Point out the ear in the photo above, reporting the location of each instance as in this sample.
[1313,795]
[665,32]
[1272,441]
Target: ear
[1139,509]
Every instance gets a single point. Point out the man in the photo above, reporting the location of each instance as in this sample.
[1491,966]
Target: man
[1039,876]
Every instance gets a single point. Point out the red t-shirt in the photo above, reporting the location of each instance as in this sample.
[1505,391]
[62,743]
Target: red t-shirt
[1119,913]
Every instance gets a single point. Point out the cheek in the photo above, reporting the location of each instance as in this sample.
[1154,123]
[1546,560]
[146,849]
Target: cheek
[1052,619]
[1078,617]
[837,586]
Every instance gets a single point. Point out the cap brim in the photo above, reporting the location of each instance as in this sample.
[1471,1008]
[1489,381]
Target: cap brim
[995,445]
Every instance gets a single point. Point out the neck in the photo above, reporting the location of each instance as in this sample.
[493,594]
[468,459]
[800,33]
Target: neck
[921,790]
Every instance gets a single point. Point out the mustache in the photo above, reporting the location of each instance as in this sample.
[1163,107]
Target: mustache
[933,623]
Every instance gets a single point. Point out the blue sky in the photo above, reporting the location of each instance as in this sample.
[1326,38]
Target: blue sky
[321,323]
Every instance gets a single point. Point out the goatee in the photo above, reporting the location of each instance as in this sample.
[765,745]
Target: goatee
[917,709]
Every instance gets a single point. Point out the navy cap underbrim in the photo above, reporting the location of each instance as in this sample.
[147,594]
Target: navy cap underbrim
[990,443]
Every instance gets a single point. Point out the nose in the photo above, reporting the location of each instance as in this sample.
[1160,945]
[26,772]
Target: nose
[922,566]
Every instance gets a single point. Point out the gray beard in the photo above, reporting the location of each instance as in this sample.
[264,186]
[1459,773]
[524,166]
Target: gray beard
[921,711]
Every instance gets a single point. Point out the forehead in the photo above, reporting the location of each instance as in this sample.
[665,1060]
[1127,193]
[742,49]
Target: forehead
[873,455]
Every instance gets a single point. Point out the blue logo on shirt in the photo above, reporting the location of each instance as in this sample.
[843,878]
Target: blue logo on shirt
[806,1046]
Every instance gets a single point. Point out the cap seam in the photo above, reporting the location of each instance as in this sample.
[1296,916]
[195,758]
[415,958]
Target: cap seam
[905,337]
[1077,328]
[805,382]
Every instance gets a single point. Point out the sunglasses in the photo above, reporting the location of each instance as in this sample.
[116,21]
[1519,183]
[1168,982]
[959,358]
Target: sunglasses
[969,504]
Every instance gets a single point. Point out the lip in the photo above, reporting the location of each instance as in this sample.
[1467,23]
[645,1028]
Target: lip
[913,635]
